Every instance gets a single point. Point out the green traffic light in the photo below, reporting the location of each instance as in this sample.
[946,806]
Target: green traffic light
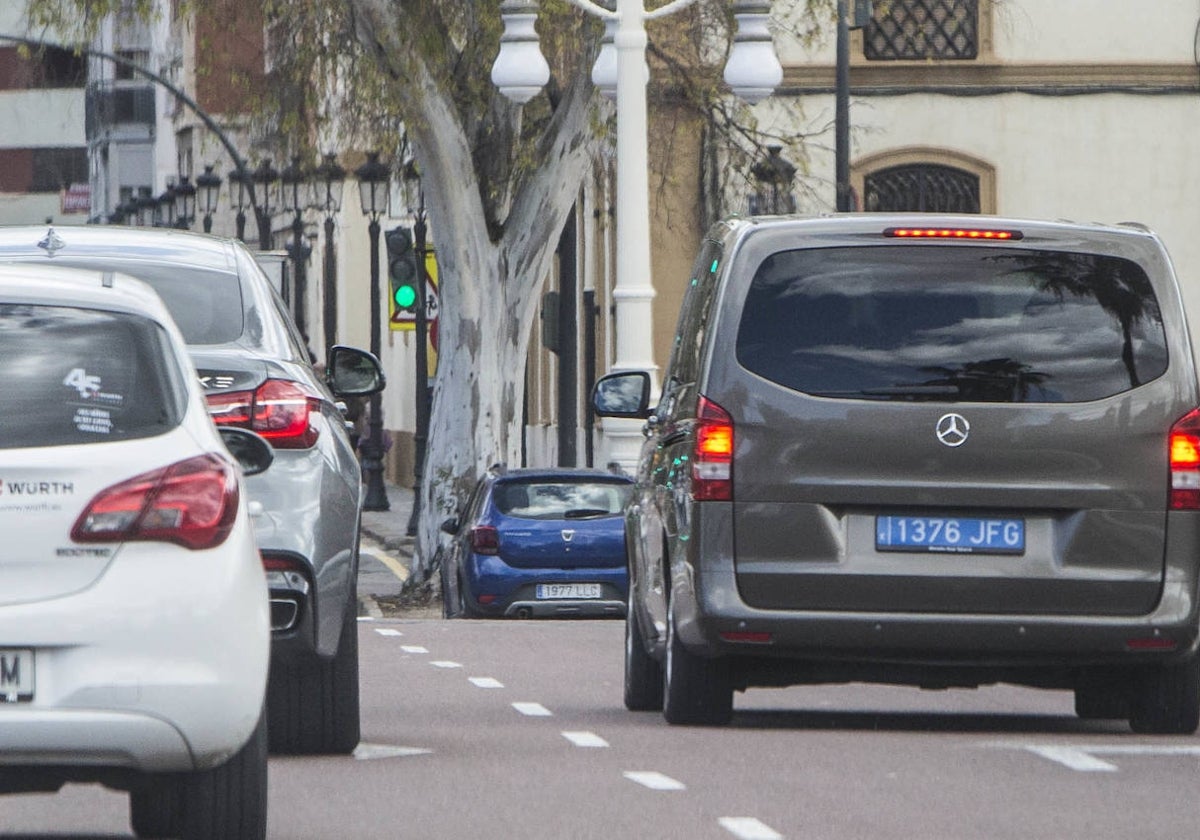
[405,297]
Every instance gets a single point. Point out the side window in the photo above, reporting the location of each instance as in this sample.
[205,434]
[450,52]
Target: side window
[684,365]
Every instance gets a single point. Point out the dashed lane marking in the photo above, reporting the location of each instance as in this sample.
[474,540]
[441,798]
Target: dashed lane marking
[653,780]
[387,631]
[585,739]
[486,682]
[444,663]
[749,828]
[414,649]
[532,709]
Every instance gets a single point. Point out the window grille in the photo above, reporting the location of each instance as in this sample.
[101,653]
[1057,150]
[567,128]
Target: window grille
[922,29]
[921,188]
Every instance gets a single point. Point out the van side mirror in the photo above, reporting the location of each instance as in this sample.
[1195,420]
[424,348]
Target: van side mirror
[623,394]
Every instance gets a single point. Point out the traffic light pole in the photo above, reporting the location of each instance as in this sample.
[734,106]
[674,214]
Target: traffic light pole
[421,378]
[372,464]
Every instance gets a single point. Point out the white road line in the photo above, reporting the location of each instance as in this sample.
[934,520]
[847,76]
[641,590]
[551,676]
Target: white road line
[486,682]
[585,739]
[532,709]
[443,663]
[373,611]
[748,828]
[1075,758]
[387,631]
[414,649]
[367,752]
[653,780]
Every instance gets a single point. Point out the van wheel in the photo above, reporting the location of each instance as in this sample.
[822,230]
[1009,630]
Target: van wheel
[698,689]
[313,706]
[643,673]
[1166,701]
[228,802]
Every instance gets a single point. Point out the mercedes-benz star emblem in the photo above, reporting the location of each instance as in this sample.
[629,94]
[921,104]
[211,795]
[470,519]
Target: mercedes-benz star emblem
[952,429]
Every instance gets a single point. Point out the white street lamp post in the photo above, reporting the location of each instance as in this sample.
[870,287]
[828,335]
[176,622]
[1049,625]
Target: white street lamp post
[752,71]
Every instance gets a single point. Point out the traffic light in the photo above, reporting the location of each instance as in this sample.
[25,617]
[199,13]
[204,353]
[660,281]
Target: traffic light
[402,272]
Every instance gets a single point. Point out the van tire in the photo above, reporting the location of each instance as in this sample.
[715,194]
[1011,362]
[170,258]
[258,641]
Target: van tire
[313,706]
[643,673]
[697,689]
[1166,700]
[227,802]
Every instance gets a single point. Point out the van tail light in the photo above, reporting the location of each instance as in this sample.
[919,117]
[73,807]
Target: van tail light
[280,410]
[712,458]
[192,503]
[1185,462]
[485,539]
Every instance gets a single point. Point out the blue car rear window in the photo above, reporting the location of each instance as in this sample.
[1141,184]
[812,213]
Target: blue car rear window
[560,500]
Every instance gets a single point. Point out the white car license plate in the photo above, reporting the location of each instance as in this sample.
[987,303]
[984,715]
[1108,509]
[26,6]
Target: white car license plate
[567,591]
[16,675]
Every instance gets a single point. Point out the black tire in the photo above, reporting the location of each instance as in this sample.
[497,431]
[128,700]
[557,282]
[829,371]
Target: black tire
[228,802]
[313,706]
[697,689]
[1166,700]
[643,673]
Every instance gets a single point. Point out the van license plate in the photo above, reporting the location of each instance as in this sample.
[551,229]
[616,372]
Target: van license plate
[567,591]
[950,534]
[16,675]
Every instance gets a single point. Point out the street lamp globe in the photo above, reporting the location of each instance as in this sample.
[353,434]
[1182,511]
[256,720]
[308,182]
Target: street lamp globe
[266,177]
[520,70]
[752,70]
[294,181]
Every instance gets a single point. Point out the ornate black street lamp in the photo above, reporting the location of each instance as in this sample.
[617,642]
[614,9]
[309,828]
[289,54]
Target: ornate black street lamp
[414,197]
[774,175]
[146,205]
[266,183]
[295,194]
[373,189]
[185,203]
[327,183]
[164,213]
[208,192]
[241,189]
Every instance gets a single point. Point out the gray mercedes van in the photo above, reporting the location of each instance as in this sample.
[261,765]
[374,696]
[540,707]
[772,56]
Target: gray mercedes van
[941,451]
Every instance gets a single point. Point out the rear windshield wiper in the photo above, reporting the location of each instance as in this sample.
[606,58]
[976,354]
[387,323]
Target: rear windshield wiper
[585,513]
[927,391]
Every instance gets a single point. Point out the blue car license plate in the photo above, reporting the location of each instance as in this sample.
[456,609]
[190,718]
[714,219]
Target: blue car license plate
[961,535]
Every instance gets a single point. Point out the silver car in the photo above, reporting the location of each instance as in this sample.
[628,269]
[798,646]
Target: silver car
[930,450]
[256,373]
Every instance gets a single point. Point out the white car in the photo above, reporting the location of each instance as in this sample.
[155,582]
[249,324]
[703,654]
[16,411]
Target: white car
[134,617]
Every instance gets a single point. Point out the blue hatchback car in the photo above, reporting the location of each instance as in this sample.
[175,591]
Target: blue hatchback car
[538,543]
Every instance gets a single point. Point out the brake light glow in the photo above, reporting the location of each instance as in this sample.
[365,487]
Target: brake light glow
[712,459]
[485,539]
[192,503]
[952,233]
[1184,455]
[280,410]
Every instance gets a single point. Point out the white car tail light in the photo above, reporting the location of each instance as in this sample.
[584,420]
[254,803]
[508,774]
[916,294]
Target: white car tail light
[192,503]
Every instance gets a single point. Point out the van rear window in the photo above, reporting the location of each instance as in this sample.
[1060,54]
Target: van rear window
[952,323]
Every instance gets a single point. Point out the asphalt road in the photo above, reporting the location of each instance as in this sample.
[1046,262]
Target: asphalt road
[516,730]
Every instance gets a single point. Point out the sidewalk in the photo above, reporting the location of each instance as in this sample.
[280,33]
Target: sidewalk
[385,559]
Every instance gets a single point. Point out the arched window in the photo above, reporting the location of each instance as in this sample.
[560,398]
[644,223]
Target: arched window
[925,181]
